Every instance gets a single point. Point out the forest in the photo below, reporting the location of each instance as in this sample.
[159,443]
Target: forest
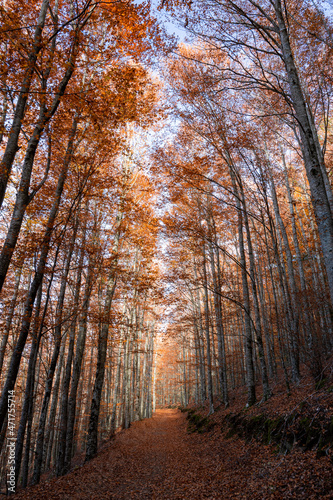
[166,234]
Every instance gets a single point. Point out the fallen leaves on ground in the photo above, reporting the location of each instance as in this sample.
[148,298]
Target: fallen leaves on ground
[158,459]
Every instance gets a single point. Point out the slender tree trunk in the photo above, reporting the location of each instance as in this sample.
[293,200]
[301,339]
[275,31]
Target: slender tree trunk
[313,353]
[208,352]
[68,367]
[313,163]
[138,367]
[219,325]
[260,344]
[198,322]
[13,136]
[23,197]
[80,346]
[52,368]
[50,431]
[29,387]
[28,307]
[127,379]
[10,317]
[116,392]
[251,398]
[144,377]
[293,287]
[101,356]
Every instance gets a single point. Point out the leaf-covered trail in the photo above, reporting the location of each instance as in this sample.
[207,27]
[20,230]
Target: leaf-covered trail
[157,459]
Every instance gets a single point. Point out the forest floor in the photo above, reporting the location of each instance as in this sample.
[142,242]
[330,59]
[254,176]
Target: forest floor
[158,458]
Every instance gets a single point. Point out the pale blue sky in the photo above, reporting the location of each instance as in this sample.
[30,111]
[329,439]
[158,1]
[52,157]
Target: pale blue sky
[170,25]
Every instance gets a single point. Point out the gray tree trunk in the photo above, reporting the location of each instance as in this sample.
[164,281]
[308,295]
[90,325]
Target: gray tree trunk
[219,326]
[50,375]
[13,136]
[116,391]
[68,368]
[207,332]
[80,346]
[10,317]
[313,163]
[92,438]
[292,286]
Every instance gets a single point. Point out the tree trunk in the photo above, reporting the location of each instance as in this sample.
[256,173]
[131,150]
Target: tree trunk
[68,367]
[310,143]
[51,371]
[101,355]
[208,352]
[29,387]
[23,197]
[28,307]
[13,136]
[293,287]
[10,317]
[80,346]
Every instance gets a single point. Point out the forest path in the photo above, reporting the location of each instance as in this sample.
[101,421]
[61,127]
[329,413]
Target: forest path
[154,459]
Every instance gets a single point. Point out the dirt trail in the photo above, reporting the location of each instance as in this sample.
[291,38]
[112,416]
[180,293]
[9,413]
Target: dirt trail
[155,458]
[158,459]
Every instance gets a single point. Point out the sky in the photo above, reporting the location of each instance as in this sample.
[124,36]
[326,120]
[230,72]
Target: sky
[170,25]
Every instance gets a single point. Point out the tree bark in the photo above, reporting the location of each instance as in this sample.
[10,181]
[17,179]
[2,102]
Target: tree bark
[101,354]
[208,352]
[13,136]
[310,143]
[80,346]
[39,274]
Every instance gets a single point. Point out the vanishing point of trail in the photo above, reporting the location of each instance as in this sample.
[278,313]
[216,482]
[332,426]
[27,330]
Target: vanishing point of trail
[154,459]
